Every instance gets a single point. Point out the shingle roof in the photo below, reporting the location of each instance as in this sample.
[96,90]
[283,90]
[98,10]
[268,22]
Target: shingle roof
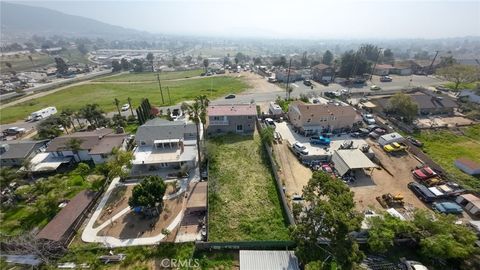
[107,143]
[318,110]
[268,260]
[56,229]
[429,102]
[88,140]
[232,110]
[20,149]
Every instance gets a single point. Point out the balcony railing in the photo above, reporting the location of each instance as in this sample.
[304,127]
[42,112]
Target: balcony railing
[219,123]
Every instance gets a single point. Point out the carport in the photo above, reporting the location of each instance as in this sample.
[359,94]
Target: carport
[347,160]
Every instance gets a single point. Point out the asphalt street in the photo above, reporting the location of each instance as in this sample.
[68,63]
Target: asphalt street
[398,83]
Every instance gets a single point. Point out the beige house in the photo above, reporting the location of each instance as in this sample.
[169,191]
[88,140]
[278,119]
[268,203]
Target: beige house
[320,118]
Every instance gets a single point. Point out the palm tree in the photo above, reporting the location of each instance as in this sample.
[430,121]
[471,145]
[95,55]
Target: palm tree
[117,103]
[203,100]
[130,104]
[68,113]
[75,145]
[194,111]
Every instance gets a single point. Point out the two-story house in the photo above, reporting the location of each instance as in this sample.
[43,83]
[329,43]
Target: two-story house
[238,118]
[163,144]
[322,73]
[320,118]
[93,146]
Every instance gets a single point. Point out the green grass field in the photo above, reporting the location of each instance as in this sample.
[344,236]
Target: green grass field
[104,94]
[243,202]
[23,63]
[444,147]
[150,76]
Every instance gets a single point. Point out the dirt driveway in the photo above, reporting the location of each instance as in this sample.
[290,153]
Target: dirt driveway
[293,174]
[393,178]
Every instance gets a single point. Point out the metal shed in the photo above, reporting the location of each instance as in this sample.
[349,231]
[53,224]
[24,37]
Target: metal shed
[268,260]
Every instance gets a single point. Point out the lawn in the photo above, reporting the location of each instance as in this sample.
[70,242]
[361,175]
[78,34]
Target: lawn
[150,76]
[444,147]
[243,201]
[38,202]
[462,86]
[104,94]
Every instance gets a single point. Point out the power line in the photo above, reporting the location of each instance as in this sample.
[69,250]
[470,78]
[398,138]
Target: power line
[160,86]
[288,78]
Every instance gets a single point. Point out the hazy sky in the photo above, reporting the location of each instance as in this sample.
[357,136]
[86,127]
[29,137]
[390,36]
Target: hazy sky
[283,19]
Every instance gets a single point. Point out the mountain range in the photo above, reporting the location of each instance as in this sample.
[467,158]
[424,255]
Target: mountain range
[21,20]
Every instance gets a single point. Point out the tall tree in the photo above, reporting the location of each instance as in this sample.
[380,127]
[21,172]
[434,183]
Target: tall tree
[116,66]
[75,145]
[194,114]
[117,104]
[62,67]
[130,104]
[149,193]
[93,114]
[125,64]
[330,215]
[68,114]
[369,51]
[403,105]
[388,57]
[119,163]
[459,74]
[150,58]
[205,64]
[327,58]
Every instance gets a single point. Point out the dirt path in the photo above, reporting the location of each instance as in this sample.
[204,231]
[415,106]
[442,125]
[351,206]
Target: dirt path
[294,175]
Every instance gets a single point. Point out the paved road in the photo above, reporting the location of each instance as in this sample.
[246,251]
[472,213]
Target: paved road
[260,95]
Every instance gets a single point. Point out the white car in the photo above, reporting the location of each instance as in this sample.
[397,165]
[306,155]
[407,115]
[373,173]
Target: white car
[300,148]
[368,118]
[125,107]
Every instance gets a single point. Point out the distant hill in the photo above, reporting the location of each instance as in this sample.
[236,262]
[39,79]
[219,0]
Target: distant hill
[20,20]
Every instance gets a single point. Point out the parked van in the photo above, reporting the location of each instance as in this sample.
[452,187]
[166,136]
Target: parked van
[42,114]
[422,192]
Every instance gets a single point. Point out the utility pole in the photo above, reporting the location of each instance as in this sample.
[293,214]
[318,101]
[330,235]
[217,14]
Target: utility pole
[288,79]
[375,65]
[430,68]
[160,86]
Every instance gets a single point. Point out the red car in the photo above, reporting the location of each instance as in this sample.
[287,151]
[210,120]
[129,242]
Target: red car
[424,173]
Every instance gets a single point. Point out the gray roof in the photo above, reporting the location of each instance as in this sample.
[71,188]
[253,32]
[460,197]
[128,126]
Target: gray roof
[160,129]
[425,101]
[268,260]
[348,159]
[20,149]
[88,139]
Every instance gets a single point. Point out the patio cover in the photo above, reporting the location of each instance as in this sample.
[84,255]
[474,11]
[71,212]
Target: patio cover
[349,159]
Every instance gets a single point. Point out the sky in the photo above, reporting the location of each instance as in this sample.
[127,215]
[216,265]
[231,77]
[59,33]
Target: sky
[309,19]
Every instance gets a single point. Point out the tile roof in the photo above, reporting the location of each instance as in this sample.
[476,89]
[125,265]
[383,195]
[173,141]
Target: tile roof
[232,110]
[59,226]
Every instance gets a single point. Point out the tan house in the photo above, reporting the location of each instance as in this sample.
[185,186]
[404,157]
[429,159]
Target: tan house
[320,118]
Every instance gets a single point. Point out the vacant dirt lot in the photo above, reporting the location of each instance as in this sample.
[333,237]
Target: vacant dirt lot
[451,122]
[257,84]
[392,178]
[293,174]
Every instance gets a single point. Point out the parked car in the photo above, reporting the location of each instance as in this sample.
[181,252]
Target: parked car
[300,148]
[375,87]
[424,173]
[385,79]
[369,119]
[447,207]
[394,147]
[231,96]
[442,88]
[125,107]
[269,122]
[307,82]
[414,141]
[320,140]
[422,192]
[412,265]
[14,131]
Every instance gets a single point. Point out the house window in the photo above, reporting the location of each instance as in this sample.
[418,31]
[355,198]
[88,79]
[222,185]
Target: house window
[104,155]
[218,118]
[249,117]
[309,120]
[239,127]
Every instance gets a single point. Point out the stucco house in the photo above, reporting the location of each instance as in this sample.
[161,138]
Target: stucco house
[282,75]
[319,118]
[163,144]
[322,72]
[382,69]
[95,145]
[239,118]
[14,153]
